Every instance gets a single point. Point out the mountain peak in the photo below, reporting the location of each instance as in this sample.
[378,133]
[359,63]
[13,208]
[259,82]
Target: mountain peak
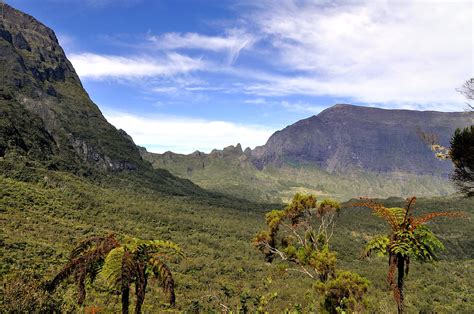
[44,109]
[345,137]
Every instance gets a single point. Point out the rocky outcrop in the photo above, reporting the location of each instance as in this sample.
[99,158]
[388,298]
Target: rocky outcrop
[346,137]
[42,92]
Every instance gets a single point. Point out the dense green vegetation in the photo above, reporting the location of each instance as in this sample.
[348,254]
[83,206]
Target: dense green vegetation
[67,175]
[409,239]
[45,214]
[231,172]
[299,235]
[462,155]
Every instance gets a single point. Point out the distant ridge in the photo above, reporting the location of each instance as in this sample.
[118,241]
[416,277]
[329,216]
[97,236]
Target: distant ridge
[344,137]
[345,151]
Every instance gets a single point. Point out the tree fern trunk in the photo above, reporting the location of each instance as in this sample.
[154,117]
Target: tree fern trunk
[125,298]
[140,287]
[400,283]
[81,285]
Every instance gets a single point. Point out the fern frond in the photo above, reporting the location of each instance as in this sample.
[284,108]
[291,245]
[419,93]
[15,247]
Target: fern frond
[81,284]
[426,244]
[63,274]
[163,273]
[378,245]
[112,269]
[92,243]
[161,247]
[85,260]
[425,218]
[411,202]
[392,217]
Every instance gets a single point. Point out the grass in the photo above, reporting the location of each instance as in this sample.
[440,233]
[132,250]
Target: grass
[42,220]
[234,174]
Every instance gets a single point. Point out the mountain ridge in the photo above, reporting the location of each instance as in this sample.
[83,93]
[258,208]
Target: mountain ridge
[273,171]
[48,121]
[355,135]
[40,84]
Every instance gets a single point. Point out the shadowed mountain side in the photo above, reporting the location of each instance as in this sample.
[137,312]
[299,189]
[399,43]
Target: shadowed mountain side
[232,172]
[344,137]
[45,112]
[48,121]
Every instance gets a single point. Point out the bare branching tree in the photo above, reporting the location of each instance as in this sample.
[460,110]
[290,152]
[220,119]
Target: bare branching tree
[467,89]
[299,237]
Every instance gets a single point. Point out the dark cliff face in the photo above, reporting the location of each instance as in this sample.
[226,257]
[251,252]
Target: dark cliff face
[44,110]
[345,137]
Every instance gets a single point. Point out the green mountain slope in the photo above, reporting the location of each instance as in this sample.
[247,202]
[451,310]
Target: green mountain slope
[382,150]
[66,174]
[45,112]
[47,119]
[42,221]
[232,172]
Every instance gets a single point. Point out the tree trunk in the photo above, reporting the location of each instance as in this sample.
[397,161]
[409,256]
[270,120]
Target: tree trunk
[140,287]
[125,298]
[400,283]
[81,285]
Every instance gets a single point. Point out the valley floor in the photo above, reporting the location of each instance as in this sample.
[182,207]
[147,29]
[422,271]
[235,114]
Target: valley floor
[43,219]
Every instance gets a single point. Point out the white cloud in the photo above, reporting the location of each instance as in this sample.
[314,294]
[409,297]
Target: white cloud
[302,107]
[95,66]
[256,101]
[232,43]
[372,51]
[66,41]
[165,89]
[185,135]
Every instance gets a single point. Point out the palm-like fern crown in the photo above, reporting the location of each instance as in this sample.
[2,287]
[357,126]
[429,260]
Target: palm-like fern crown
[409,235]
[138,259]
[120,266]
[123,259]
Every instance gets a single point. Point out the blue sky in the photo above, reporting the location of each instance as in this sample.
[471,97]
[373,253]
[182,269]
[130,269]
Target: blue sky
[185,75]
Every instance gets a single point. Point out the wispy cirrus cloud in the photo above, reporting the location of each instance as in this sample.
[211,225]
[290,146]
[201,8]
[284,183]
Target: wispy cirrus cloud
[370,51]
[232,43]
[302,107]
[184,135]
[97,66]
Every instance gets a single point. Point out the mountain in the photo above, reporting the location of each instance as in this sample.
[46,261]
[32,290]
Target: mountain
[48,122]
[345,151]
[346,137]
[45,112]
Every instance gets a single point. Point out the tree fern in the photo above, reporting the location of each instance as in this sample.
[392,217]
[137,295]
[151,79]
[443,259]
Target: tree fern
[121,266]
[408,238]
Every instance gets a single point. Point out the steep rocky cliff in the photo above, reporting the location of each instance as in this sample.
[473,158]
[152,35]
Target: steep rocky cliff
[346,137]
[345,151]
[45,113]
